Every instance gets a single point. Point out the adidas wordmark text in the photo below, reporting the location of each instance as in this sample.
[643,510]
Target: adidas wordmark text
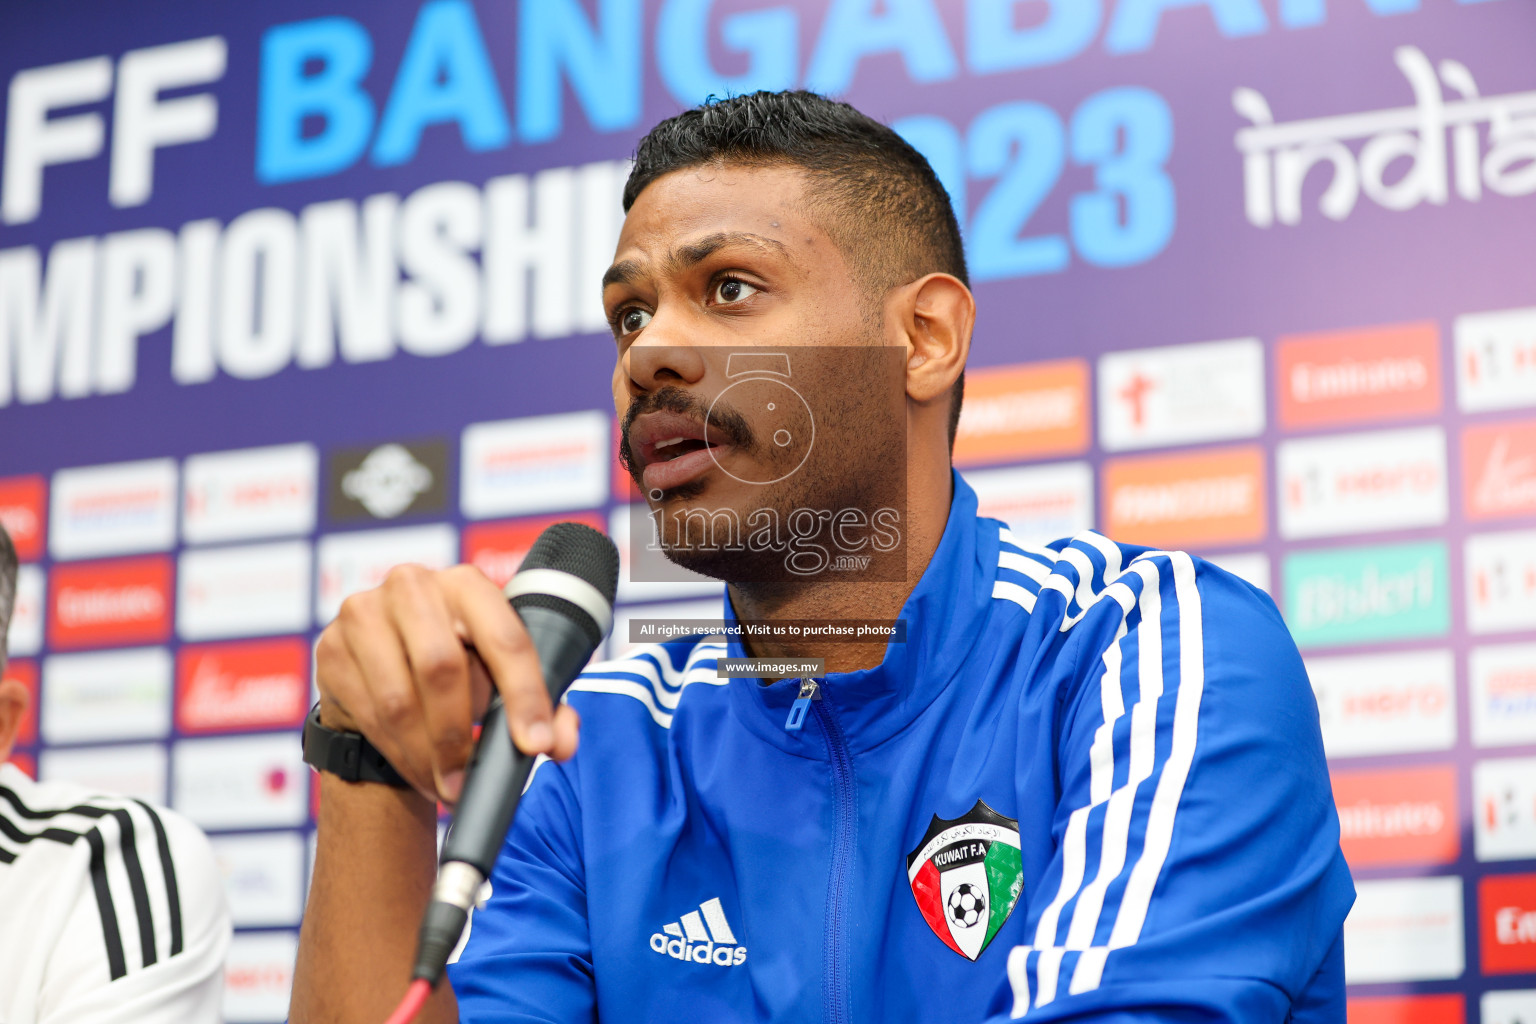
[701,936]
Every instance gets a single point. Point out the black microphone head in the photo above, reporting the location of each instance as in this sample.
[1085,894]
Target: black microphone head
[579,551]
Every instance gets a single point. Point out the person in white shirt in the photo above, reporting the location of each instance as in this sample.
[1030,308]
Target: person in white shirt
[111,910]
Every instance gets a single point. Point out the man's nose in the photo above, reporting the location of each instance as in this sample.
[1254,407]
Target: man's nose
[653,362]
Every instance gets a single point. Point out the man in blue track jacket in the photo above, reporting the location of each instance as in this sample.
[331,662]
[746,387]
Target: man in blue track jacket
[1086,784]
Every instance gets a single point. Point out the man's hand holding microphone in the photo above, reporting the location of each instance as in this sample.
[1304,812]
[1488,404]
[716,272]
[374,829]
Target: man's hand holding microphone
[412,666]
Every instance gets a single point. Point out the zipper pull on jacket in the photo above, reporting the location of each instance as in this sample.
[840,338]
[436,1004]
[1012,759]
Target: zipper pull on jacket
[809,691]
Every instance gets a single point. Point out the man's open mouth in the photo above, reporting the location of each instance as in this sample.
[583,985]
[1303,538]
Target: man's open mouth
[675,447]
[672,449]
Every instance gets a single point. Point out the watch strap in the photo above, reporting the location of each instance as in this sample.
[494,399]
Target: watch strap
[347,755]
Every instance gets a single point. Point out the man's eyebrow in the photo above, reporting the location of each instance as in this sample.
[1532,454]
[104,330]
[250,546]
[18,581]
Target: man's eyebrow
[694,253]
[697,252]
[622,272]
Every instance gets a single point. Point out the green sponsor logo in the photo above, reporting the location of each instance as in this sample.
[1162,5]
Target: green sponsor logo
[1356,595]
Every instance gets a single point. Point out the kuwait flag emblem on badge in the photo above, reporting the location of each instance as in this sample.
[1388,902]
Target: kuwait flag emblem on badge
[967,876]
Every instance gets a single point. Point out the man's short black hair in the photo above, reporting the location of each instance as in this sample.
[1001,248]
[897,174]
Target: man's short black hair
[8,570]
[882,203]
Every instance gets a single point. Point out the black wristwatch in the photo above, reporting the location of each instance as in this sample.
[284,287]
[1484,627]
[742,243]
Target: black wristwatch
[347,755]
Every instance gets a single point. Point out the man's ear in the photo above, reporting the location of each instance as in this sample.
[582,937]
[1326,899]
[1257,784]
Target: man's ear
[936,314]
[14,701]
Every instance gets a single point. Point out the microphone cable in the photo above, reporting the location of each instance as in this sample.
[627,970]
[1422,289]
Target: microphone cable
[416,996]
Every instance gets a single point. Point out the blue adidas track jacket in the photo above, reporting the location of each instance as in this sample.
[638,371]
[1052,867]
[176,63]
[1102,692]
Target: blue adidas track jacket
[1089,787]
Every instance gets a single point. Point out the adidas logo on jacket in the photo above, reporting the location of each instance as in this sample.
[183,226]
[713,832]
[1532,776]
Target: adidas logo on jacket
[692,942]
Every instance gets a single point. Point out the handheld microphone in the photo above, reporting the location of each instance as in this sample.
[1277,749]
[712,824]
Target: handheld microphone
[563,592]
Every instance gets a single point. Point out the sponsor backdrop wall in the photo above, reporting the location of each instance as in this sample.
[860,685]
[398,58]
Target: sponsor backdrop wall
[292,292]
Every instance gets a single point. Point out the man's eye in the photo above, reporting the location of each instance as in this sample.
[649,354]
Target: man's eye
[733,290]
[632,319]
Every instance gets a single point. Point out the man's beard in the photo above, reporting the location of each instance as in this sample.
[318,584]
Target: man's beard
[858,462]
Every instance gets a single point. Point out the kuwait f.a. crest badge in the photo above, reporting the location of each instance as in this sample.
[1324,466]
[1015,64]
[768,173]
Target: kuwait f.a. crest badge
[967,876]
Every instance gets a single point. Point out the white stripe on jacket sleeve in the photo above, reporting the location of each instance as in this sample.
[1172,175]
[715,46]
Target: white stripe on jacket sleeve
[1160,606]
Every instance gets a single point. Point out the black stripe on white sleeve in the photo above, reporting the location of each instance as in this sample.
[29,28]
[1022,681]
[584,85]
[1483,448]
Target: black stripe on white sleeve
[9,829]
[117,965]
[133,870]
[168,863]
[128,845]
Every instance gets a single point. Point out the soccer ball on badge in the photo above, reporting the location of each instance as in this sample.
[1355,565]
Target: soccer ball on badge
[966,905]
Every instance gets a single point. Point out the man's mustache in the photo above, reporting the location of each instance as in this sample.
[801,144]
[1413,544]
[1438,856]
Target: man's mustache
[723,423]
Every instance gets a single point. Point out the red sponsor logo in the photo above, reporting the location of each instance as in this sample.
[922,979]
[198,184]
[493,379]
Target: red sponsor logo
[1376,373]
[1449,1008]
[1498,463]
[251,494]
[261,684]
[497,549]
[23,514]
[1398,817]
[261,978]
[25,673]
[1393,703]
[1507,909]
[99,604]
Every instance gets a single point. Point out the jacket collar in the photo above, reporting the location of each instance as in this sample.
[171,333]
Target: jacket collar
[945,614]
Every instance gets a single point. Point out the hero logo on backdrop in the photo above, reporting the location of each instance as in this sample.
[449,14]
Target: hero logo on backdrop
[1362,483]
[254,492]
[258,975]
[1388,703]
